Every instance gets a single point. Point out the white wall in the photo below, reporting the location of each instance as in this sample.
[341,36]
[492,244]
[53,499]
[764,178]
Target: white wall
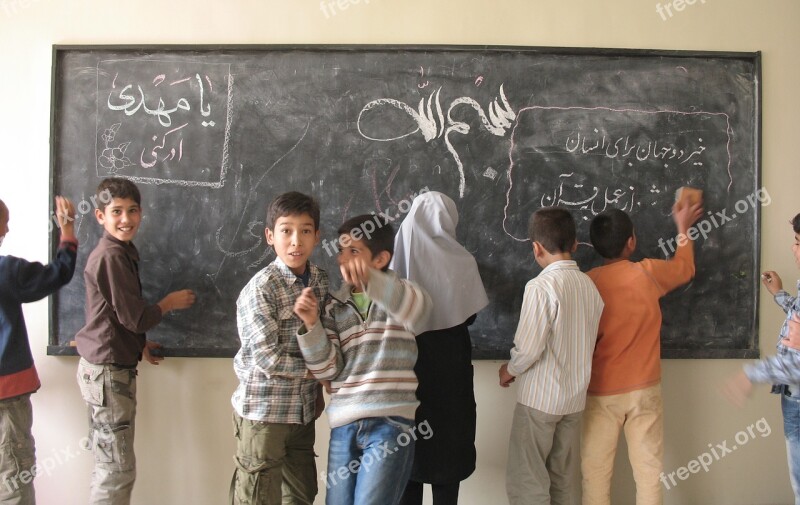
[184,439]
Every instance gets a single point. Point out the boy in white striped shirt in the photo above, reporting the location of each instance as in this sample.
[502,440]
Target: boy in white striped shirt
[552,356]
[364,343]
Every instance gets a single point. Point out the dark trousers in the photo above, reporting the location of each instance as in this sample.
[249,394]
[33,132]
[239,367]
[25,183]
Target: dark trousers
[443,494]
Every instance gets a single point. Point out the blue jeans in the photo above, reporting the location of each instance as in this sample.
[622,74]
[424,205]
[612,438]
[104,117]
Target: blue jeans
[369,461]
[791,430]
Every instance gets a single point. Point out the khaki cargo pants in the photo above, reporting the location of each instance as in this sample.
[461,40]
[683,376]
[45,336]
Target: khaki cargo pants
[110,394]
[274,463]
[17,453]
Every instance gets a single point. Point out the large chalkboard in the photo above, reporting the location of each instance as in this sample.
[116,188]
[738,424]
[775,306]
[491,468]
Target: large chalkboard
[213,134]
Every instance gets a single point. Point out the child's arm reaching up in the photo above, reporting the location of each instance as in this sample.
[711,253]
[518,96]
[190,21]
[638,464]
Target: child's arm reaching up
[29,282]
[772,281]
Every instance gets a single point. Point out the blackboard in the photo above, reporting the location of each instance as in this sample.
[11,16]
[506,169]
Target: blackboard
[212,134]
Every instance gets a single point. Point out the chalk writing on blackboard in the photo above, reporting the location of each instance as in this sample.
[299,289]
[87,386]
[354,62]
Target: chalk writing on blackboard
[574,151]
[432,124]
[171,128]
[217,133]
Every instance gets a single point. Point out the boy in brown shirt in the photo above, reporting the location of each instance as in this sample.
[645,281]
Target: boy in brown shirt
[113,341]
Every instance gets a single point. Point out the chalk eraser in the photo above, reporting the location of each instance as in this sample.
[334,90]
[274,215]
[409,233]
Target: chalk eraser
[689,195]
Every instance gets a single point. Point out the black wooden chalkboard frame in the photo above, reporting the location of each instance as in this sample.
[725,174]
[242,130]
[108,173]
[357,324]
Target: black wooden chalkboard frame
[750,351]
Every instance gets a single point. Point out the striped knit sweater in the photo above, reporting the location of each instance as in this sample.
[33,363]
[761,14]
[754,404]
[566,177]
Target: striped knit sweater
[370,363]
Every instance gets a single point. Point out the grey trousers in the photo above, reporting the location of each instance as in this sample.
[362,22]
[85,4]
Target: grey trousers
[110,394]
[17,452]
[540,455]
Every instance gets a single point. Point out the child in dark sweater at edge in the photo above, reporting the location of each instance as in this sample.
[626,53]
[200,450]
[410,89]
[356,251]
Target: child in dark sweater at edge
[24,282]
[366,346]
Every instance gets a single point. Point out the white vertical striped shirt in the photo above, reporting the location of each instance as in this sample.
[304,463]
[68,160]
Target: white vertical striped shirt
[554,342]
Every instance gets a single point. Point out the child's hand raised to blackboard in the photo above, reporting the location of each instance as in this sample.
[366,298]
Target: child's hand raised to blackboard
[177,300]
[685,214]
[307,308]
[65,212]
[772,281]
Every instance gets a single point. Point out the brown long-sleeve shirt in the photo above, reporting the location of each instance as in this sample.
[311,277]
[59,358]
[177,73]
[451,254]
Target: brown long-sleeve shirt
[117,316]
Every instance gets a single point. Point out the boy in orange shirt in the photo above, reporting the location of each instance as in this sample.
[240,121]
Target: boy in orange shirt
[625,390]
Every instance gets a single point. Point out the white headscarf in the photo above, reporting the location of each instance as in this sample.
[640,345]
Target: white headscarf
[426,252]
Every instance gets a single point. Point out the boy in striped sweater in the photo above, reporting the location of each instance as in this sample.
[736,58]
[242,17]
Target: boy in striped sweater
[365,345]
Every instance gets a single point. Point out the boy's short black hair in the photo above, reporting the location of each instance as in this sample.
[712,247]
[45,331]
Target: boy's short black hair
[116,187]
[554,228]
[292,203]
[796,223]
[377,235]
[609,232]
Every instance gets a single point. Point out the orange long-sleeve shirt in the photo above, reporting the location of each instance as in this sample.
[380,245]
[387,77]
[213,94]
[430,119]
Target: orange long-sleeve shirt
[627,356]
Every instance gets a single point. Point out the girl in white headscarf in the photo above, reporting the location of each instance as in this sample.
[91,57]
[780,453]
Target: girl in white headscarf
[427,253]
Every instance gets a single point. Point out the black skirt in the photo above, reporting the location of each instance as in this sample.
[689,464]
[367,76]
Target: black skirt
[446,455]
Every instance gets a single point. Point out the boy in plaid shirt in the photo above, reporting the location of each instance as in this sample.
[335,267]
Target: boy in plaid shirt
[275,404]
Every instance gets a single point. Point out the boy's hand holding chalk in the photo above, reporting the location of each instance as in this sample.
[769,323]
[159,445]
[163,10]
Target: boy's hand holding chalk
[772,281]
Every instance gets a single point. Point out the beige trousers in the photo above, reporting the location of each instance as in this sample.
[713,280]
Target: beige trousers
[641,415]
[17,452]
[110,394]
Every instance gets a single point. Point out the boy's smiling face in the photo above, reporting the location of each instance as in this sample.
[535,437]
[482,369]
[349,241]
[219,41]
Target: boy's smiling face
[294,239]
[120,218]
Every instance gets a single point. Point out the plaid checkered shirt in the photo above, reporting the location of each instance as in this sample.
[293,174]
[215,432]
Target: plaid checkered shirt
[783,368]
[272,374]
